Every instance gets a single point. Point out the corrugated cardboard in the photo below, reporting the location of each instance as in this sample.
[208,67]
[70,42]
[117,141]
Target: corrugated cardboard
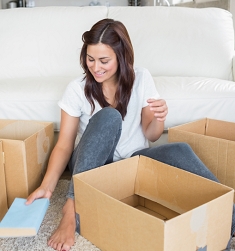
[214,143]
[3,194]
[26,146]
[142,204]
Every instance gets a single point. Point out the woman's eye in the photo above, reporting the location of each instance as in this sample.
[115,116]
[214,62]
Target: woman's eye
[104,62]
[90,60]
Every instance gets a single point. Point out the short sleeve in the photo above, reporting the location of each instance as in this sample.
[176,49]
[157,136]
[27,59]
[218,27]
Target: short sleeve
[72,100]
[150,90]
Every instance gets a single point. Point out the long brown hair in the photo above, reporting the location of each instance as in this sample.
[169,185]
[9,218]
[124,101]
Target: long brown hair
[114,34]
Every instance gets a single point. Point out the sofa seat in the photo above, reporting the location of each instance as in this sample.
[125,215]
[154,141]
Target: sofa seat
[35,99]
[197,97]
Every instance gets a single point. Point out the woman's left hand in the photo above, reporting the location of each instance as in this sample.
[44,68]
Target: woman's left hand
[159,108]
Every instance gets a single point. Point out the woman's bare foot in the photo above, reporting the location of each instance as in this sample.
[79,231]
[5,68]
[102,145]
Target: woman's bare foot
[64,236]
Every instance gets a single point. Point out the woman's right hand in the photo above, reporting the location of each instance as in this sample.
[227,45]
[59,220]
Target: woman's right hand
[38,193]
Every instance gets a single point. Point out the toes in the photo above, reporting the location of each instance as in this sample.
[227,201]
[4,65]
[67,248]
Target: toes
[59,246]
[65,248]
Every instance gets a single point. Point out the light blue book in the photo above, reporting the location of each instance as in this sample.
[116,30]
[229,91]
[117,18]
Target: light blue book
[23,220]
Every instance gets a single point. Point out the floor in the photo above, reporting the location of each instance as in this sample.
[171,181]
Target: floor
[66,175]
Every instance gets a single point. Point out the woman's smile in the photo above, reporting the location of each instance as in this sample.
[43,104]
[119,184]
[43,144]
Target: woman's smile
[102,62]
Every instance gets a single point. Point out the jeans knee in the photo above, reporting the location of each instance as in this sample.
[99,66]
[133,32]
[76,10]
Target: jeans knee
[112,113]
[106,119]
[108,113]
[184,147]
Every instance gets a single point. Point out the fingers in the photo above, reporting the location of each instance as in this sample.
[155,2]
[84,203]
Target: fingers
[38,193]
[33,196]
[159,108]
[30,199]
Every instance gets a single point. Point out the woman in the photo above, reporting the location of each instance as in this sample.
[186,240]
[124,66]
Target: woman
[115,109]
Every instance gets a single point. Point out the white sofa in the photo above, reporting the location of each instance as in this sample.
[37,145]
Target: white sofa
[189,52]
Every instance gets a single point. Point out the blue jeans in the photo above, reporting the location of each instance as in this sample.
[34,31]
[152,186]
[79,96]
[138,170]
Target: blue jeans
[97,145]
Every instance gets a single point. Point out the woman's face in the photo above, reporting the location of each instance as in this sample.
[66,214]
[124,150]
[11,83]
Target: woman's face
[102,62]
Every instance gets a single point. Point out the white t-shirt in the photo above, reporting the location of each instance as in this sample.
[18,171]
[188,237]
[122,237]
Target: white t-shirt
[132,138]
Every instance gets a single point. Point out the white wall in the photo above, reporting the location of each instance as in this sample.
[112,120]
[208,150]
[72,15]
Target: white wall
[80,2]
[232,6]
[71,2]
[232,10]
[104,2]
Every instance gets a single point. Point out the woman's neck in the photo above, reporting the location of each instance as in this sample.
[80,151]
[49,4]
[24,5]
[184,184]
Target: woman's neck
[109,91]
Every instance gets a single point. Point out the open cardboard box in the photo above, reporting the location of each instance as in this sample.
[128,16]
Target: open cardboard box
[142,204]
[214,143]
[26,146]
[3,194]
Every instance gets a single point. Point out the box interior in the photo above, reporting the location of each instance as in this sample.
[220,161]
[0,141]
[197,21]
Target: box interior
[172,187]
[150,185]
[220,129]
[19,130]
[150,207]
[210,127]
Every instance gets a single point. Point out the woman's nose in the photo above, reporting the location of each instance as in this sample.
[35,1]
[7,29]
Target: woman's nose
[96,66]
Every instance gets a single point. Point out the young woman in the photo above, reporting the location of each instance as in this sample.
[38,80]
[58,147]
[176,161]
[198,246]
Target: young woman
[114,109]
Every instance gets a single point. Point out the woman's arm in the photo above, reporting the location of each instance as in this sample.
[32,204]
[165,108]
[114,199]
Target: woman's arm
[153,117]
[59,157]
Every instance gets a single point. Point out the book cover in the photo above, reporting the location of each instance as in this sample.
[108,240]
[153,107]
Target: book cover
[23,220]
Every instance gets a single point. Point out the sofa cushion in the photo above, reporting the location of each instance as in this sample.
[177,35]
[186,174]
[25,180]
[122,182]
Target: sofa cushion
[188,98]
[44,41]
[180,41]
[192,98]
[32,98]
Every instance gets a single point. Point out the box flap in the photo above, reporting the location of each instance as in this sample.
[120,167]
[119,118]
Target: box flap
[173,187]
[20,129]
[220,129]
[198,126]
[116,180]
[3,194]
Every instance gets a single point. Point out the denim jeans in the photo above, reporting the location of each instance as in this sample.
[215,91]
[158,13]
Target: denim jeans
[98,143]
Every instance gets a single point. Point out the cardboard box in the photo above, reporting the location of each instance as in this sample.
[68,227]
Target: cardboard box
[3,194]
[142,204]
[214,143]
[26,146]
